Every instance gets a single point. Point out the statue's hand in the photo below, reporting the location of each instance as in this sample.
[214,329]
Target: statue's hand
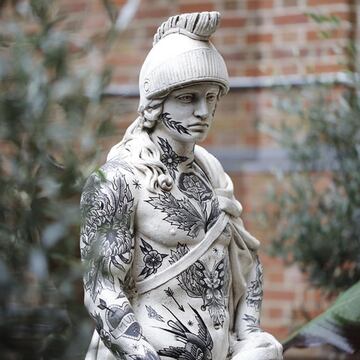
[258,346]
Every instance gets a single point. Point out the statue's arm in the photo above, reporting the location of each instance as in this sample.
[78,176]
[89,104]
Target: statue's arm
[248,313]
[107,245]
[253,342]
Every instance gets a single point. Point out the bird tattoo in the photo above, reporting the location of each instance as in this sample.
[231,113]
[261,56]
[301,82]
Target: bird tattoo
[196,346]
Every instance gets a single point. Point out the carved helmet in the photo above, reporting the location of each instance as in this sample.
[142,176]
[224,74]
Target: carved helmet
[182,55]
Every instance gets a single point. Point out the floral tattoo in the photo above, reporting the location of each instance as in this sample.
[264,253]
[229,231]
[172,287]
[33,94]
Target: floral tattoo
[169,157]
[152,259]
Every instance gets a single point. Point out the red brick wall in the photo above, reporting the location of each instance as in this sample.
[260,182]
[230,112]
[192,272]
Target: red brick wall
[256,38]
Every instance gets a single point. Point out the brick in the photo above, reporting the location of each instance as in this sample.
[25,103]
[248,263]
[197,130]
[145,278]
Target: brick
[188,8]
[331,34]
[231,4]
[259,4]
[290,19]
[153,13]
[291,3]
[259,38]
[281,53]
[257,71]
[289,69]
[275,277]
[275,313]
[326,2]
[327,68]
[232,22]
[279,295]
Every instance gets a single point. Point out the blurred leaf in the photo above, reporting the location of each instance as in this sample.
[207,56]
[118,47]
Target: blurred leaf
[338,326]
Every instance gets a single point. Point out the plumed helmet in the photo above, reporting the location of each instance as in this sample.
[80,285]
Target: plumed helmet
[182,55]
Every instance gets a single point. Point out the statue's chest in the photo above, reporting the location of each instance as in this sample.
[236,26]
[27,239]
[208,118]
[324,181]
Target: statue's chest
[183,214]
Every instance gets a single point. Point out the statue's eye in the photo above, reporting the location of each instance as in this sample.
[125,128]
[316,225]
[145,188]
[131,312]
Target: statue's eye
[210,98]
[186,98]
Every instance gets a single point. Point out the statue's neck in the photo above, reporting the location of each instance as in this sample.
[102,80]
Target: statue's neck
[173,150]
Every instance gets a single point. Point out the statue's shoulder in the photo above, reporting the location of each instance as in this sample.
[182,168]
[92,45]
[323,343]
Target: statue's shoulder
[208,162]
[118,167]
[109,175]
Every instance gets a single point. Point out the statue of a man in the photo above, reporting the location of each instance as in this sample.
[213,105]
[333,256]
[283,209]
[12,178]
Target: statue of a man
[171,273]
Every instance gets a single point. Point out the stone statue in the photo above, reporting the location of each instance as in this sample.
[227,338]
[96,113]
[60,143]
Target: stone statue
[171,272]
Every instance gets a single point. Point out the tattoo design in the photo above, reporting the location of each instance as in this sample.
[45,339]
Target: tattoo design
[182,213]
[196,346]
[152,313]
[121,321]
[105,336]
[170,293]
[195,188]
[147,356]
[169,157]
[115,163]
[174,125]
[198,281]
[253,323]
[106,239]
[254,293]
[152,259]
[136,184]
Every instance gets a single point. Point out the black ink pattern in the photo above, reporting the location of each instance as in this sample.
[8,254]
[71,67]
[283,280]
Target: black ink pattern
[153,314]
[105,336]
[137,185]
[147,356]
[174,125]
[194,187]
[114,164]
[169,157]
[254,293]
[106,207]
[253,323]
[152,259]
[180,213]
[121,321]
[170,293]
[211,285]
[196,346]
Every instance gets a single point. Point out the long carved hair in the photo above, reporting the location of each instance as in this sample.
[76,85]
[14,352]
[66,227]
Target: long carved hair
[139,150]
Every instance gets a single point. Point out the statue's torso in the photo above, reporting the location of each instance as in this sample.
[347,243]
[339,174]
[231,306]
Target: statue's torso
[189,313]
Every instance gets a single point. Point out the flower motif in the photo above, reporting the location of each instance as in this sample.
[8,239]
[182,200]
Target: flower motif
[169,157]
[152,259]
[194,187]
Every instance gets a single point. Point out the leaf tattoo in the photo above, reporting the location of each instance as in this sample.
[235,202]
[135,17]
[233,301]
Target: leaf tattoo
[252,323]
[180,213]
[254,293]
[172,124]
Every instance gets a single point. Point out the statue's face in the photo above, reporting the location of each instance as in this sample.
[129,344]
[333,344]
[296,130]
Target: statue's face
[188,112]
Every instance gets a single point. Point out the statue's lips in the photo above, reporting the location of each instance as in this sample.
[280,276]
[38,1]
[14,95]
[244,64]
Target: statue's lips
[198,126]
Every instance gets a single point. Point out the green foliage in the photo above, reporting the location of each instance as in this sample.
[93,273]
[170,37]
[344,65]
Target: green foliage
[338,326]
[316,206]
[52,116]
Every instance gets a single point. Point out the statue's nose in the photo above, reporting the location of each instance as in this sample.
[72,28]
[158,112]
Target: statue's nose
[201,109]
